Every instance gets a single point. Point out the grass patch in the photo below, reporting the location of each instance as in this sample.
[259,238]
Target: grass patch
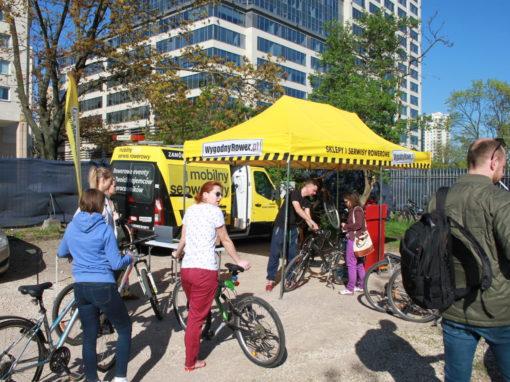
[53,231]
[395,230]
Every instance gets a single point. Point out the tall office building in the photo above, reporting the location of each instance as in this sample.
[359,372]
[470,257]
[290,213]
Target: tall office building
[294,30]
[435,137]
[14,134]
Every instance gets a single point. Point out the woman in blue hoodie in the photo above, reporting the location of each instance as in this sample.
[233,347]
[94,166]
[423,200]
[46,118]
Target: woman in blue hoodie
[92,245]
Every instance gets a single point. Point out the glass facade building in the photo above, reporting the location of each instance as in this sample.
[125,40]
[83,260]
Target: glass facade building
[292,30]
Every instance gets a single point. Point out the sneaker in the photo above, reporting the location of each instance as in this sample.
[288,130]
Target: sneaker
[358,289]
[269,286]
[346,292]
[119,379]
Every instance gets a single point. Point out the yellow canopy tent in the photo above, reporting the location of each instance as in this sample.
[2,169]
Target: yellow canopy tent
[310,135]
[304,134]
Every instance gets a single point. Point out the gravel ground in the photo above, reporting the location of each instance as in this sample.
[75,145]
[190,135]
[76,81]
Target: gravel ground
[329,337]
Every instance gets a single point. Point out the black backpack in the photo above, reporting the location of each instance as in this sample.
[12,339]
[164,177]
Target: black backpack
[427,264]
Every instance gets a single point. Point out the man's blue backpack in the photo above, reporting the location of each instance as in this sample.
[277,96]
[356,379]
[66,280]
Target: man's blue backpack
[427,263]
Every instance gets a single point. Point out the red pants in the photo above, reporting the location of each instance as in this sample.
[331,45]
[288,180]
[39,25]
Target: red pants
[200,287]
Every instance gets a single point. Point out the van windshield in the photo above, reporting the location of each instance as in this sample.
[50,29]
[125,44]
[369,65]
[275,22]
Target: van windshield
[135,179]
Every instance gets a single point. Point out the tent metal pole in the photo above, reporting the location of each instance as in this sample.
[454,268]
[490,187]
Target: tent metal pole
[284,250]
[380,246]
[184,181]
[337,195]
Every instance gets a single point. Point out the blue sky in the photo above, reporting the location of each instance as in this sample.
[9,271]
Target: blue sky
[480,32]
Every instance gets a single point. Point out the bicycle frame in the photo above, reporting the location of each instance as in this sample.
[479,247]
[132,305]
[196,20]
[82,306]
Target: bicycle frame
[48,338]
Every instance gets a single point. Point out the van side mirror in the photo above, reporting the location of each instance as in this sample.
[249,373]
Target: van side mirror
[274,195]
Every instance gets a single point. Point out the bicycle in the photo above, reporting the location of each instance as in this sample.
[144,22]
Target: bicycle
[318,243]
[255,323]
[26,346]
[377,279]
[385,292]
[64,304]
[402,305]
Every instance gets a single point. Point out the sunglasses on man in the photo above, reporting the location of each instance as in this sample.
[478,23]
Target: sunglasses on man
[501,143]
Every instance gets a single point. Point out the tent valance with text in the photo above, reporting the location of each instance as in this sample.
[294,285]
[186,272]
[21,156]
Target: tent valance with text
[310,134]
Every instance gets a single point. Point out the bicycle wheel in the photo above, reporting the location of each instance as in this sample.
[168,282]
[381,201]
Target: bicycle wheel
[259,331]
[332,214]
[106,344]
[295,271]
[376,282]
[150,293]
[18,345]
[402,305]
[180,304]
[63,299]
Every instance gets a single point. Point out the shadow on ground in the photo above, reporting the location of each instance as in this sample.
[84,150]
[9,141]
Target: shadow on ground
[26,260]
[383,350]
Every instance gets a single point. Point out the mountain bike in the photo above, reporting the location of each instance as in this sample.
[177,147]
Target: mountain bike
[321,244]
[402,305]
[255,323]
[64,304]
[26,346]
[317,244]
[377,279]
[385,292]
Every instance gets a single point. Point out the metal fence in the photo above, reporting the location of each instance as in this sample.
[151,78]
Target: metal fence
[419,185]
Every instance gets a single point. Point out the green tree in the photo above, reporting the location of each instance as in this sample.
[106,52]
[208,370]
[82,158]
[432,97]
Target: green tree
[364,66]
[229,93]
[65,35]
[362,74]
[482,110]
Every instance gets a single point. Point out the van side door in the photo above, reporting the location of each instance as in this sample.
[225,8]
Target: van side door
[264,208]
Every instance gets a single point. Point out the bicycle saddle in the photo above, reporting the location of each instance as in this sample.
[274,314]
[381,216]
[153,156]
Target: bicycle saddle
[234,268]
[35,291]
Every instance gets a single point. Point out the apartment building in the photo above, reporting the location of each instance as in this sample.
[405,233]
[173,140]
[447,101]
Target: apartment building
[254,28]
[435,136]
[14,132]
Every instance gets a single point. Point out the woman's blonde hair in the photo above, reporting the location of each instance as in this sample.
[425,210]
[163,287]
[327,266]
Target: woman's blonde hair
[97,173]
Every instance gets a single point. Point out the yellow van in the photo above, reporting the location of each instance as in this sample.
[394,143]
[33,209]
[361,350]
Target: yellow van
[151,190]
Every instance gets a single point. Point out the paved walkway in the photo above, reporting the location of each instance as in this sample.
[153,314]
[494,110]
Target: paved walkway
[329,337]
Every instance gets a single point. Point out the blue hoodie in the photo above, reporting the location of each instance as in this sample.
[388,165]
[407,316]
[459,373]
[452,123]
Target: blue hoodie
[92,245]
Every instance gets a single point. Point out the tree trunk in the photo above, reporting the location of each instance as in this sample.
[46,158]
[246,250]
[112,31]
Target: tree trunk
[369,184]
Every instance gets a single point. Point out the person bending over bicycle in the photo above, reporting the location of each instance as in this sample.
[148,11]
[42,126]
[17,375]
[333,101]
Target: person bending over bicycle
[300,210]
[91,244]
[202,224]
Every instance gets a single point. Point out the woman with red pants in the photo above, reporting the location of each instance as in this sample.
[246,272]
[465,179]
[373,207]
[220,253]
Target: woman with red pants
[202,225]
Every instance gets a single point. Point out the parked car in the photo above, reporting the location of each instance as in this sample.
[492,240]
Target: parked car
[4,252]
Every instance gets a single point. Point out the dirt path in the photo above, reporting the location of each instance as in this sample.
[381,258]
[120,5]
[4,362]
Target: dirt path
[329,337]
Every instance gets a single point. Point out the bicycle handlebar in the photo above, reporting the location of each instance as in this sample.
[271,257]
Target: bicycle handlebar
[137,241]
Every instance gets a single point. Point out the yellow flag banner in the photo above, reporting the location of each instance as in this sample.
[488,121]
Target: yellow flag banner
[73,126]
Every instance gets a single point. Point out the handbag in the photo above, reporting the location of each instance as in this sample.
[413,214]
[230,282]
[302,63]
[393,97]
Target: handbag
[363,245]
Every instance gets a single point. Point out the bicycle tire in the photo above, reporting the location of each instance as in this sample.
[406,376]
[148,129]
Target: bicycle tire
[295,271]
[375,285]
[253,335]
[75,336]
[180,303]
[17,326]
[401,304]
[331,213]
[150,294]
[106,344]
